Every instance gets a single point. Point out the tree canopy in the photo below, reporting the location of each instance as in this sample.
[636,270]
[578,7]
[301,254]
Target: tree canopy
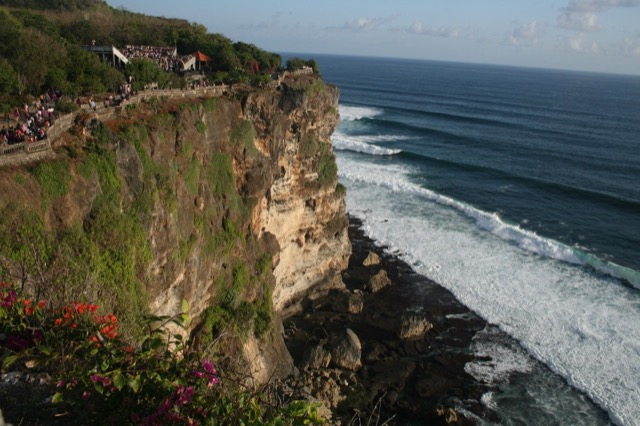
[41,46]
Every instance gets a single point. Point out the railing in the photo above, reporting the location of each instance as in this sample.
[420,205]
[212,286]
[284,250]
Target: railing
[9,153]
[27,147]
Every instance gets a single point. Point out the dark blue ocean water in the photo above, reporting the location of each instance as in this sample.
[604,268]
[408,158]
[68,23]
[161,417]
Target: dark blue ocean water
[556,152]
[518,190]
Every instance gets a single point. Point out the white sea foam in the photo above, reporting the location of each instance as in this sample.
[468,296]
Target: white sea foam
[365,143]
[523,238]
[584,327]
[504,358]
[353,113]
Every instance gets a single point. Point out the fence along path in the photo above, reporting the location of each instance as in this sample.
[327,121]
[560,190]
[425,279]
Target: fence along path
[28,152]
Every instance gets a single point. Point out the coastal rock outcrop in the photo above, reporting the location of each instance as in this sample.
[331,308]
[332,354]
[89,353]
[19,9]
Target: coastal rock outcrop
[227,201]
[372,259]
[413,326]
[378,281]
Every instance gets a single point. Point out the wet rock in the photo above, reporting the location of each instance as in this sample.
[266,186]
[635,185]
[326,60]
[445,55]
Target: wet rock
[372,259]
[413,326]
[379,281]
[436,384]
[347,354]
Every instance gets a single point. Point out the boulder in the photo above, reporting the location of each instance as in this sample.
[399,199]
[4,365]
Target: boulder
[315,358]
[413,326]
[347,353]
[379,281]
[372,259]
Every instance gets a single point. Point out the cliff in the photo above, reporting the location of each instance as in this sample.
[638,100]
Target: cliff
[230,202]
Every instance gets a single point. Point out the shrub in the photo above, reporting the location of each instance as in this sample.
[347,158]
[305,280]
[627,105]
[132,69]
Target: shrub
[66,106]
[101,377]
[201,127]
[327,168]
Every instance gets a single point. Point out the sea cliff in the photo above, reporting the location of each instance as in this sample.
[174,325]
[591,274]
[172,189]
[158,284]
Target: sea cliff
[229,202]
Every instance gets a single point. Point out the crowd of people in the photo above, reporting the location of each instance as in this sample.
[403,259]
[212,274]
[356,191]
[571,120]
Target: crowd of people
[166,57]
[28,131]
[31,121]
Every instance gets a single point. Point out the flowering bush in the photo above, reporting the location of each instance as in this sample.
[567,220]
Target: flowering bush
[101,377]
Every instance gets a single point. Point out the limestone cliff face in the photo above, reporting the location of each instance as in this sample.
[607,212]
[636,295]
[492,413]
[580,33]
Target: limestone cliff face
[307,219]
[235,194]
[297,214]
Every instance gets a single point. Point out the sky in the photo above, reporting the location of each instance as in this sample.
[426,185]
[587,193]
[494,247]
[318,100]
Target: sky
[584,35]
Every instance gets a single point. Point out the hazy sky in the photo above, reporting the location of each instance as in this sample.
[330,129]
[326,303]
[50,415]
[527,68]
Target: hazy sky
[590,35]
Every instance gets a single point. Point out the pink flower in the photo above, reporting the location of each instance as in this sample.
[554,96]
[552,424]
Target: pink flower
[164,407]
[185,395]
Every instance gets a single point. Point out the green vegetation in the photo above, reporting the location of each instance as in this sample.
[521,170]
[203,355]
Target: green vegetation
[100,377]
[315,88]
[308,146]
[201,127]
[295,64]
[53,178]
[245,135]
[327,167]
[209,104]
[64,26]
[192,176]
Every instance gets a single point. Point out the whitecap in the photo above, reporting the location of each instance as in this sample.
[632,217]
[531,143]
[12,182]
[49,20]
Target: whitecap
[354,113]
[364,144]
[581,324]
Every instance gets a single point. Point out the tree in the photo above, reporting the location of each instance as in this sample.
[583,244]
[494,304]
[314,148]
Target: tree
[8,78]
[145,72]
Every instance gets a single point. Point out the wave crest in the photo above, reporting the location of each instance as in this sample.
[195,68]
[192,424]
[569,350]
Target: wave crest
[354,113]
[363,144]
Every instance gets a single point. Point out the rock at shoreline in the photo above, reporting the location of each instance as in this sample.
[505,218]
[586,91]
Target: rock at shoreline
[347,354]
[413,326]
[379,281]
[372,259]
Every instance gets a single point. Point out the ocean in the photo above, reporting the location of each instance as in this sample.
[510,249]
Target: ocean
[519,191]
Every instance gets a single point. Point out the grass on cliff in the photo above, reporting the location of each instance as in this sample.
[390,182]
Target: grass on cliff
[53,178]
[244,135]
[104,257]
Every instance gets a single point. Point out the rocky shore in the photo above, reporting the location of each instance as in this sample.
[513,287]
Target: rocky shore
[389,348]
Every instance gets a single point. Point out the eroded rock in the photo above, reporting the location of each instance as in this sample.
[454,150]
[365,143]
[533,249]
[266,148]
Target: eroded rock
[413,326]
[372,259]
[316,357]
[379,281]
[347,354]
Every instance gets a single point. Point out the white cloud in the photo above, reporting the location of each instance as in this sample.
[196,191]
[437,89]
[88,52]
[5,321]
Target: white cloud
[434,31]
[526,34]
[365,24]
[579,44]
[586,21]
[631,45]
[582,15]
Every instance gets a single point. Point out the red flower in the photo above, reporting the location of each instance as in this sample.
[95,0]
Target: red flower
[58,321]
[42,304]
